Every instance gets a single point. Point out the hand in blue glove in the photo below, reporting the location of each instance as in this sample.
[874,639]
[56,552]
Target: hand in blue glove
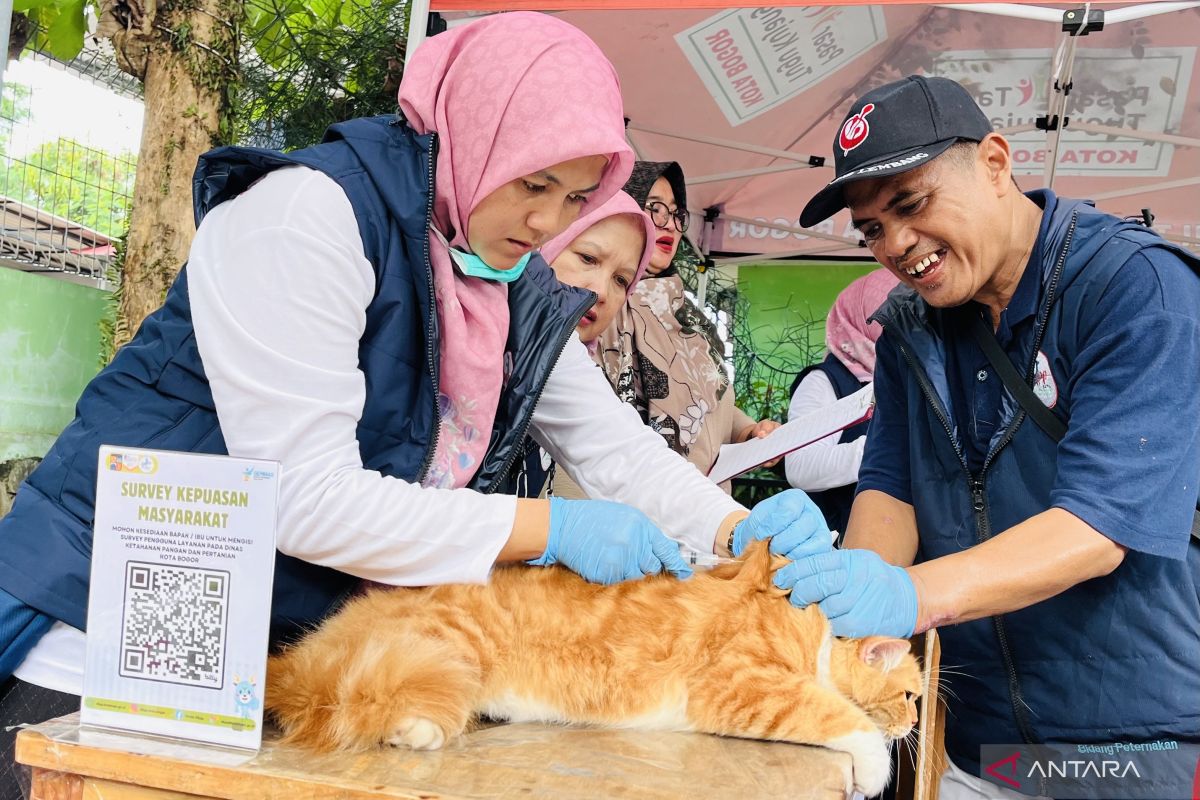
[793,523]
[607,542]
[860,593]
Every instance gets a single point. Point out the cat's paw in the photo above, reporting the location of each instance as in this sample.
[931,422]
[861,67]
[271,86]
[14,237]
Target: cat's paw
[418,733]
[872,762]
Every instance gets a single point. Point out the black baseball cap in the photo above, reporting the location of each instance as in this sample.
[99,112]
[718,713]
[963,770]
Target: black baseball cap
[894,128]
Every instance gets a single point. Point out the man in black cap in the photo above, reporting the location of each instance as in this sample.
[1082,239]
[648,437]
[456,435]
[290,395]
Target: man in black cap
[1039,514]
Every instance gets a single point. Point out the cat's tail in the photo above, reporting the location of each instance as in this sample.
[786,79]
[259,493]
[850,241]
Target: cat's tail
[395,687]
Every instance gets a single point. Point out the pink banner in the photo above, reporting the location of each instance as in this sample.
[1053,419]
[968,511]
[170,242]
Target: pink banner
[780,79]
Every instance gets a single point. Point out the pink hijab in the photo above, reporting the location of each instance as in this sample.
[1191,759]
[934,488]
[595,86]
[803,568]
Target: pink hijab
[508,95]
[848,335]
[619,203]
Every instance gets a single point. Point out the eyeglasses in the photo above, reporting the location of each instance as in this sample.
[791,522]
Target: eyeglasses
[662,215]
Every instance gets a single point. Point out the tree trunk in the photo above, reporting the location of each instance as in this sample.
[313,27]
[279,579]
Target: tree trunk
[20,31]
[185,53]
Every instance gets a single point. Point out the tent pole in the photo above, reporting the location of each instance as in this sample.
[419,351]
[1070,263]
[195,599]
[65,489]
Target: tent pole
[1015,129]
[745,173]
[709,231]
[1145,136]
[1035,13]
[1144,10]
[1060,81]
[757,258]
[1146,187]
[1178,238]
[418,24]
[812,161]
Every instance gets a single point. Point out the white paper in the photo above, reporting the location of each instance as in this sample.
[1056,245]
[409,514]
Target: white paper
[734,459]
[183,560]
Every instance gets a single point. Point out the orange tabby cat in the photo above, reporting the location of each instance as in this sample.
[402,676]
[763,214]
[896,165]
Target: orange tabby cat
[723,653]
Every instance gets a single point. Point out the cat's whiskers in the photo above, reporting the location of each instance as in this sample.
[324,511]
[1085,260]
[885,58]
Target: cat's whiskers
[910,742]
[945,691]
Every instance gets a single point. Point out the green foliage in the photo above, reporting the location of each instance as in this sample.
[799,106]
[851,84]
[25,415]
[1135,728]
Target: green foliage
[61,24]
[87,186]
[316,63]
[14,109]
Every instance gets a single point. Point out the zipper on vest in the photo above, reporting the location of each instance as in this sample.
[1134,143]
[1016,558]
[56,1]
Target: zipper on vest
[502,473]
[1016,698]
[983,529]
[1040,333]
[979,499]
[430,332]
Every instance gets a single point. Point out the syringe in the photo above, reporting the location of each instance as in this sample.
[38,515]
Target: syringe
[703,559]
[696,559]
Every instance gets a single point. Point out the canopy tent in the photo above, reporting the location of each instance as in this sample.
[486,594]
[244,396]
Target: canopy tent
[748,99]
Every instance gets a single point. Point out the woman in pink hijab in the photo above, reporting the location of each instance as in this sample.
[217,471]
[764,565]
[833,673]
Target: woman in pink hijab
[511,127]
[828,469]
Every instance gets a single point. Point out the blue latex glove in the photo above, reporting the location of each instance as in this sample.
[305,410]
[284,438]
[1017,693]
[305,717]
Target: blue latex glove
[860,593]
[793,523]
[607,542]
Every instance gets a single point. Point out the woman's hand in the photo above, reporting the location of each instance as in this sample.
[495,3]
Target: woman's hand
[791,521]
[759,430]
[606,542]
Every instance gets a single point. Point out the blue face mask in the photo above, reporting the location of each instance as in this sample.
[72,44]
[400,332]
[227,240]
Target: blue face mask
[475,267]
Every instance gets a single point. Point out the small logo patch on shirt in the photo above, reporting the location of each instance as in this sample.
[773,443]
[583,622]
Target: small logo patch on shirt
[1043,382]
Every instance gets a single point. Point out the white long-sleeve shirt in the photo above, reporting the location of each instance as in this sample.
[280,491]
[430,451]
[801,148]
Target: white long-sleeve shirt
[279,287]
[824,464]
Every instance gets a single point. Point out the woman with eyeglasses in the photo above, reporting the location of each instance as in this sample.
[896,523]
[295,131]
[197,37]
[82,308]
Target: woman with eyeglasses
[662,354]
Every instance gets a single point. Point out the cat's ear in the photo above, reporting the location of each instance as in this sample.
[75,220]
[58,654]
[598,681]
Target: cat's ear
[882,652]
[236,679]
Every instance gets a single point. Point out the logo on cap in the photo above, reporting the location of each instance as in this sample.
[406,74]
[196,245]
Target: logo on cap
[856,130]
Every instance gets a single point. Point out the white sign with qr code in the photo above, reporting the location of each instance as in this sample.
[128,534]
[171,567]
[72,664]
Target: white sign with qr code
[183,558]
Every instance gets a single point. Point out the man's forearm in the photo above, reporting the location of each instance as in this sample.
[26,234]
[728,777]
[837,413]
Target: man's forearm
[1037,559]
[884,524]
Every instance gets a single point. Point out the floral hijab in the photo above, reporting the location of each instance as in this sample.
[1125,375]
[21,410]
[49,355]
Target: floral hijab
[508,95]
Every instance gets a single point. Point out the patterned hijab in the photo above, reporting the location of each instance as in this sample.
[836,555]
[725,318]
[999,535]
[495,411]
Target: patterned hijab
[508,95]
[848,335]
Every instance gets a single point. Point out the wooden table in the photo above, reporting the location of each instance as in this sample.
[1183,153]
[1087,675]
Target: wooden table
[527,761]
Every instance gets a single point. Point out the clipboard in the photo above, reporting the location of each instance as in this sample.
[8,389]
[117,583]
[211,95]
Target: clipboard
[736,459]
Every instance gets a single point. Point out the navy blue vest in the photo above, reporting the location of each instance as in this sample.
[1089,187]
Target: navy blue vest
[155,394]
[1111,659]
[835,503]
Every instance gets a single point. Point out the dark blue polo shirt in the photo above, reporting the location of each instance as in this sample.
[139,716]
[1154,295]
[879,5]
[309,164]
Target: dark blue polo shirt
[1135,383]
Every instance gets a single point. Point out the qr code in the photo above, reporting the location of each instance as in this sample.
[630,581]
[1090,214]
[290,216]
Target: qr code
[174,624]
